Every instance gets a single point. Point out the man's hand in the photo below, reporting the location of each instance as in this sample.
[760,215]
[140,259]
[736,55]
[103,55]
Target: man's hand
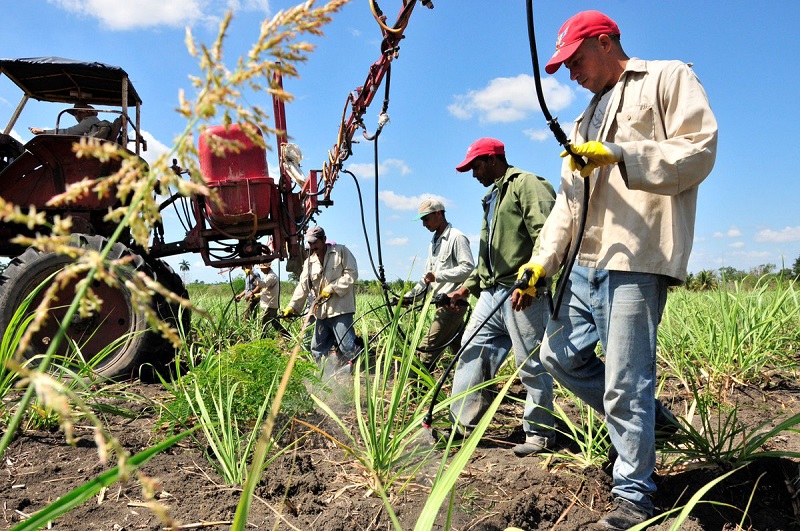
[597,154]
[326,292]
[520,300]
[239,297]
[36,130]
[537,272]
[429,278]
[457,295]
[288,311]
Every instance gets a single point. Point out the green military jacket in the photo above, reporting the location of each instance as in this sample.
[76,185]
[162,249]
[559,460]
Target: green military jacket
[523,202]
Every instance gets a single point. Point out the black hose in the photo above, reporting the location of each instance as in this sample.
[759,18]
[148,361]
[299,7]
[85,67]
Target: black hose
[562,139]
[521,283]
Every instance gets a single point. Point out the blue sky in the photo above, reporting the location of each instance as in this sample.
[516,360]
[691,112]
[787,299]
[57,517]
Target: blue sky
[464,72]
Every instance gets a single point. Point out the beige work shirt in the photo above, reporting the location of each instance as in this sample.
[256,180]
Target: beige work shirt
[642,210]
[339,271]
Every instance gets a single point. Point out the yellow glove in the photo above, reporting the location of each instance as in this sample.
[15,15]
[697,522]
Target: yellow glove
[326,292]
[597,154]
[288,311]
[537,273]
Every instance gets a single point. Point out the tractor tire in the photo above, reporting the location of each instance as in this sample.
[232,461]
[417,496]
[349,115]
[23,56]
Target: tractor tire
[117,320]
[163,360]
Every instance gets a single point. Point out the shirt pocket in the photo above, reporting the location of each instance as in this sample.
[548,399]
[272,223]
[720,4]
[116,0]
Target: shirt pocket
[635,124]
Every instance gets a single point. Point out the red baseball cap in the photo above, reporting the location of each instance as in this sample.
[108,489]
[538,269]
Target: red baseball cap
[482,146]
[581,26]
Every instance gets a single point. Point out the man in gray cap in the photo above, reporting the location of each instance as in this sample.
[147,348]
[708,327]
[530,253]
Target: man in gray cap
[449,264]
[329,275]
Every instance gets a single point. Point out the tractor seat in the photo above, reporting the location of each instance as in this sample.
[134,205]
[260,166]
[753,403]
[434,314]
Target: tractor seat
[106,130]
[116,128]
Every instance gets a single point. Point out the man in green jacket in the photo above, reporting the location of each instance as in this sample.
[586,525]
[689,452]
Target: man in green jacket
[514,212]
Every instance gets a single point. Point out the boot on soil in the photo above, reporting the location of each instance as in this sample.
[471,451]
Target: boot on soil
[623,515]
[534,445]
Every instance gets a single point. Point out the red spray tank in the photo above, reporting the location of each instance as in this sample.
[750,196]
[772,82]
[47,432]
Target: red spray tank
[241,179]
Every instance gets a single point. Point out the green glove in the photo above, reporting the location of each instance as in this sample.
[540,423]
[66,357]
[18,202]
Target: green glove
[326,292]
[538,272]
[288,311]
[597,154]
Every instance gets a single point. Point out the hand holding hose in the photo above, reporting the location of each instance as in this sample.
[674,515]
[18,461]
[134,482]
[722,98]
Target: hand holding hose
[597,154]
[326,292]
[536,273]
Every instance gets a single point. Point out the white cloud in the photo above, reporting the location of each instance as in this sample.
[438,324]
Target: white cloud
[787,234]
[510,99]
[537,135]
[365,170]
[115,15]
[249,5]
[736,245]
[396,242]
[154,148]
[400,202]
[733,232]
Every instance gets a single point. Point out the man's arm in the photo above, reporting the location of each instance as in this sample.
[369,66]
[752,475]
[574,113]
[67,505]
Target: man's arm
[81,128]
[349,275]
[683,152]
[300,294]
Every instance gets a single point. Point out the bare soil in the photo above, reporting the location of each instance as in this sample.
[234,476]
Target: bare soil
[318,487]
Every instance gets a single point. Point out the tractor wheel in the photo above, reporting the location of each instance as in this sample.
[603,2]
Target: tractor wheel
[169,312]
[117,322]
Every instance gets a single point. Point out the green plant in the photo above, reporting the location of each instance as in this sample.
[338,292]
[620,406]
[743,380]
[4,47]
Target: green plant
[389,423]
[590,435]
[722,441]
[229,393]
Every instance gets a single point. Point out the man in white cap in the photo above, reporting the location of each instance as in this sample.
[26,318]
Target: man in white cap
[83,113]
[649,139]
[269,296]
[330,273]
[449,264]
[514,211]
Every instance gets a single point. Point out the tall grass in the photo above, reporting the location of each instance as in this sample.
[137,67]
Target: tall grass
[730,336]
[589,434]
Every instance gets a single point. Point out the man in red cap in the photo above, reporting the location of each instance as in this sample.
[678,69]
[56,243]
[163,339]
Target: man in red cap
[514,211]
[648,139]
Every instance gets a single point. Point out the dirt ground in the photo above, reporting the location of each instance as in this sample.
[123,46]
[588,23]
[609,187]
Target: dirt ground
[319,488]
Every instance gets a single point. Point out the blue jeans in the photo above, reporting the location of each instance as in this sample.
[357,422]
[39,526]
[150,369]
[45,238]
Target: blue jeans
[621,311]
[336,330]
[484,354]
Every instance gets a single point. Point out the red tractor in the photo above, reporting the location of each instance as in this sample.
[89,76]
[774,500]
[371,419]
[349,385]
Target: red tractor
[259,219]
